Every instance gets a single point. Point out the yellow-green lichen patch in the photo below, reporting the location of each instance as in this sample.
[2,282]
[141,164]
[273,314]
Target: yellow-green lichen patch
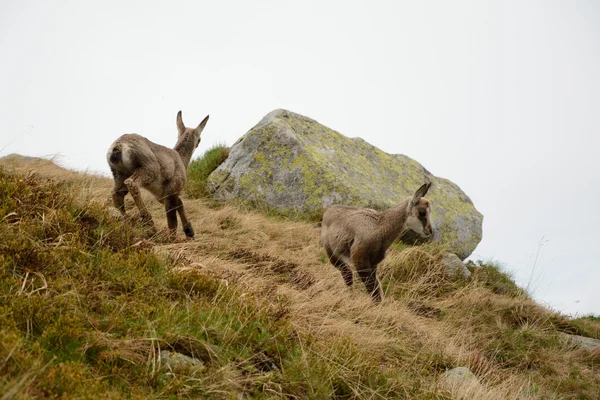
[291,163]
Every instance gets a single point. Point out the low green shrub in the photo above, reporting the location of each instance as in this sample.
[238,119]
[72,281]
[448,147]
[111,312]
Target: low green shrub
[200,168]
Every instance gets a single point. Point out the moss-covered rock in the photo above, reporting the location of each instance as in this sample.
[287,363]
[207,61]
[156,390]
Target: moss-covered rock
[294,164]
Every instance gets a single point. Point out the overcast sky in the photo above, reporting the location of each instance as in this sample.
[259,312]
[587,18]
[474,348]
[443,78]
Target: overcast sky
[503,98]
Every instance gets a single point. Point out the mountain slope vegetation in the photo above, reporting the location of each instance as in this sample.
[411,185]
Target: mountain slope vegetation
[88,302]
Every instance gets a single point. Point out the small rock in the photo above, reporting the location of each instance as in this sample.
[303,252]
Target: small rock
[179,363]
[582,342]
[459,376]
[455,267]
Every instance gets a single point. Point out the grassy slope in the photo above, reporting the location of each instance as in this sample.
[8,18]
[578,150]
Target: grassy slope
[86,305]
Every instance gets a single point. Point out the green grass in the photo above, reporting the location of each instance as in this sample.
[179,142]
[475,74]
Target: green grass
[86,306]
[510,331]
[82,310]
[494,277]
[200,168]
[588,325]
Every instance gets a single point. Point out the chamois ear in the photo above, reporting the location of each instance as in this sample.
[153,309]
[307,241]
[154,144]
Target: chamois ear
[200,127]
[180,125]
[421,192]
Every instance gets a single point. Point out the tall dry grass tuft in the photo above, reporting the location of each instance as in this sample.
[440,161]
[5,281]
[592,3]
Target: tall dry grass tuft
[418,273]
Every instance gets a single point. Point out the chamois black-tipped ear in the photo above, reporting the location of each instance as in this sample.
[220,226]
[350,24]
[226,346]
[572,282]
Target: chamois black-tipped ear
[200,127]
[421,192]
[180,125]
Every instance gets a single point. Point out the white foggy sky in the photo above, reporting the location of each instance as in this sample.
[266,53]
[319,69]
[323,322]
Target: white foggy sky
[501,97]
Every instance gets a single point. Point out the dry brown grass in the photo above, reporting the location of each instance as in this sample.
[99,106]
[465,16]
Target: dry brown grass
[427,323]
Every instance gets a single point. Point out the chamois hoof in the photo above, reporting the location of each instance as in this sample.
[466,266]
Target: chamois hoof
[189,232]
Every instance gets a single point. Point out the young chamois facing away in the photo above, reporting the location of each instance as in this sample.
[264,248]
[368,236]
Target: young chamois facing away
[361,236]
[137,162]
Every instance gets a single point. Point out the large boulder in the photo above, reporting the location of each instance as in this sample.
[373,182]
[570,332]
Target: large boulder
[294,164]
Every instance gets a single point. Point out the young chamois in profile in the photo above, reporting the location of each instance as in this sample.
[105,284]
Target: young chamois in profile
[137,162]
[361,236]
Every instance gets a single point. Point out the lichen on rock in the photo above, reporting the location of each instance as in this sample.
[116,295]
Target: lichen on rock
[294,164]
[179,363]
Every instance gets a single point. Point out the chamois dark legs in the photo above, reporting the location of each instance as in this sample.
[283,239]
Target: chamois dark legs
[133,184]
[341,266]
[174,206]
[187,226]
[366,266]
[369,277]
[171,210]
[345,271]
[119,192]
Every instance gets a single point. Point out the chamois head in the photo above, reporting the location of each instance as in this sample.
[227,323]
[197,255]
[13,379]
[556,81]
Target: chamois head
[189,135]
[418,211]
